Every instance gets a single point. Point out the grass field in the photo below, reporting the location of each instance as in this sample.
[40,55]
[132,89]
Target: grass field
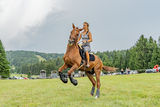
[23,75]
[141,90]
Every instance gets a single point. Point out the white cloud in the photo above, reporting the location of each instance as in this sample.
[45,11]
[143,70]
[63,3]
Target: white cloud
[19,16]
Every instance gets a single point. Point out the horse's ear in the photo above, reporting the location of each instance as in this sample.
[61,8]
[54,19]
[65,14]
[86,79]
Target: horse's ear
[73,25]
[80,29]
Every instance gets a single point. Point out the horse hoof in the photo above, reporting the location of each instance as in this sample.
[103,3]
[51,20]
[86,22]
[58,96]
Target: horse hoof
[92,91]
[65,80]
[75,82]
[97,93]
[96,97]
[63,77]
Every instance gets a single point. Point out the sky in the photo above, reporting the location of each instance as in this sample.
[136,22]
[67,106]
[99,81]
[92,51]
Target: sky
[45,25]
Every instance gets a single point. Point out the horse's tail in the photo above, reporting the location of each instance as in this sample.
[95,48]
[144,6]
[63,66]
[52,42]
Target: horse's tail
[107,68]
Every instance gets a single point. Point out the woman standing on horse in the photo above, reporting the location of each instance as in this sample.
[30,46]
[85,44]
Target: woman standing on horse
[86,39]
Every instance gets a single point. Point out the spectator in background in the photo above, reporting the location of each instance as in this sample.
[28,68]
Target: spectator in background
[157,70]
[126,70]
[122,71]
[129,70]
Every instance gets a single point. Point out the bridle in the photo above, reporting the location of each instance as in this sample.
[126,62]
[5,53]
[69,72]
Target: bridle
[73,41]
[70,42]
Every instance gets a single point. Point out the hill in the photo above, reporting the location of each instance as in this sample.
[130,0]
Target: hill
[19,58]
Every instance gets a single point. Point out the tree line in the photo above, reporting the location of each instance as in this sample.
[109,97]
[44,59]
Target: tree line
[143,55]
[34,69]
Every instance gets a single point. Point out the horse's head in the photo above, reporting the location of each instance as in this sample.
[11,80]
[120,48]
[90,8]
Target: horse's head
[74,35]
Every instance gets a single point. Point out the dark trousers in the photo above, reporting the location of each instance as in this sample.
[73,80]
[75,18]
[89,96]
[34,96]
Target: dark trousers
[121,72]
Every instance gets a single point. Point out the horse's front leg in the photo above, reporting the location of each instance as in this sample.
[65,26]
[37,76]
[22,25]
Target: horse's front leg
[63,77]
[73,68]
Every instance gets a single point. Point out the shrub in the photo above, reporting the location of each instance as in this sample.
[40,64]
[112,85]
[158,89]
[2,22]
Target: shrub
[141,70]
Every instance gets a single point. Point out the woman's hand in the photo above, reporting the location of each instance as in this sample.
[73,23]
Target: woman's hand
[84,41]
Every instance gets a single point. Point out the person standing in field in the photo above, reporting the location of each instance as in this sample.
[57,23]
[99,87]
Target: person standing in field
[122,71]
[126,70]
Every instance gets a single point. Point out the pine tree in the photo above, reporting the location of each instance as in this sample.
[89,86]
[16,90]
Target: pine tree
[151,45]
[159,42]
[4,64]
[155,57]
[158,59]
[156,54]
[131,58]
[115,59]
[106,61]
[141,53]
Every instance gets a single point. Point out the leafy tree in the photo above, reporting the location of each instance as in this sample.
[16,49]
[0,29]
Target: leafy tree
[29,74]
[4,64]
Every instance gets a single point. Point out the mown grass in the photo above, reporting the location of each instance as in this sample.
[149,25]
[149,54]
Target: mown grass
[23,75]
[141,90]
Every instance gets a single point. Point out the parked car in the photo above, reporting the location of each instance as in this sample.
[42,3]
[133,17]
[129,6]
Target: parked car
[20,78]
[116,73]
[25,78]
[109,74]
[134,72]
[14,77]
[31,78]
[150,71]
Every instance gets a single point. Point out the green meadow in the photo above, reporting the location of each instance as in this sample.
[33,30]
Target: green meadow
[140,90]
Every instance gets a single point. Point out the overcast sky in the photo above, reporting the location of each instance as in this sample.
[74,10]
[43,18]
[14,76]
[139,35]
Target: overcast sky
[45,25]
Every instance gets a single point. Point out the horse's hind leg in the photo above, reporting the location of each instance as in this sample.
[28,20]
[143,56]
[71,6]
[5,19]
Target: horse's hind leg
[93,82]
[63,77]
[98,73]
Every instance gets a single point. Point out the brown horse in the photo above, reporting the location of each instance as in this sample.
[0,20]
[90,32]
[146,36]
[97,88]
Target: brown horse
[72,60]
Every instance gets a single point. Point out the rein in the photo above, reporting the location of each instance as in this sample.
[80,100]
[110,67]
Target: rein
[71,42]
